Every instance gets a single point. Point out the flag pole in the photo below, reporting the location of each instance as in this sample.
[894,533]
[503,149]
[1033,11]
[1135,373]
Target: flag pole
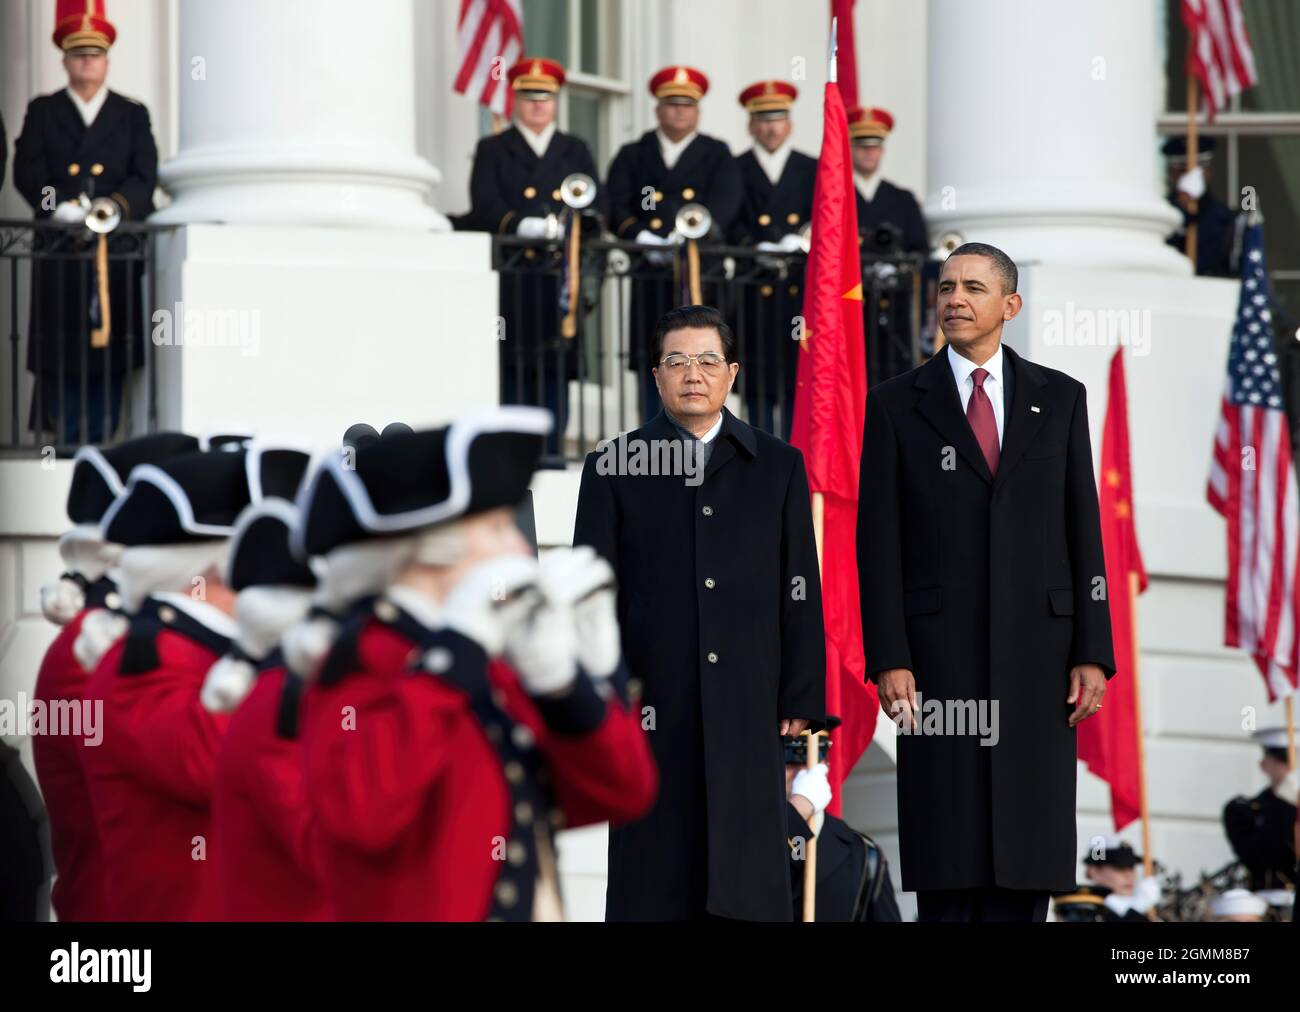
[1147,863]
[819,521]
[1193,152]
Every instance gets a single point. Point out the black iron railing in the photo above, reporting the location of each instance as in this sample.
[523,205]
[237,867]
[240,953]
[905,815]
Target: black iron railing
[598,380]
[66,385]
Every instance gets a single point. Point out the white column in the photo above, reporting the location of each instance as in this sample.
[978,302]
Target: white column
[1041,131]
[301,113]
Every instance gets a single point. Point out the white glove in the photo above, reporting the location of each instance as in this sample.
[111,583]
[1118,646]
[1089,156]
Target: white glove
[580,583]
[70,211]
[1192,183]
[492,599]
[814,784]
[791,242]
[533,228]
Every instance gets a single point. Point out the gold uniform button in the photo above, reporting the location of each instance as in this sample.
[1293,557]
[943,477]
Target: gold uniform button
[688,194]
[556,195]
[765,219]
[507,894]
[530,192]
[765,291]
[792,218]
[656,223]
[97,169]
[659,196]
[73,169]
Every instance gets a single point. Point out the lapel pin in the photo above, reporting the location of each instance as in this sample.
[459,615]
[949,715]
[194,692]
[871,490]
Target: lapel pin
[1035,407]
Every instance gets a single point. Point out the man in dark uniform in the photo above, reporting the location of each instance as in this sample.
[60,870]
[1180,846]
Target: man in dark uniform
[649,182]
[1262,829]
[889,222]
[83,140]
[720,612]
[852,875]
[776,206]
[515,189]
[1190,188]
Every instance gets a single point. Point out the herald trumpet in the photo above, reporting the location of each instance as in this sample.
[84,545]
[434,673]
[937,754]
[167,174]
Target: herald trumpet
[693,222]
[578,190]
[103,214]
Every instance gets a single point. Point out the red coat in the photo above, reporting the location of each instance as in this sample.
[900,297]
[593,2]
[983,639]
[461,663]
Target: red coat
[151,779]
[435,791]
[266,837]
[78,893]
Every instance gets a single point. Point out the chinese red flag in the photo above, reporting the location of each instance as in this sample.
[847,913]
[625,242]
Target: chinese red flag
[829,411]
[1108,740]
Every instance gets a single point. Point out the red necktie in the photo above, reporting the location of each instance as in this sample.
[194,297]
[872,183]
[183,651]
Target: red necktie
[979,412]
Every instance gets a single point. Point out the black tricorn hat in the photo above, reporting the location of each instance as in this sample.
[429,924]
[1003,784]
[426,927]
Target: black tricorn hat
[99,474]
[259,549]
[408,481]
[198,496]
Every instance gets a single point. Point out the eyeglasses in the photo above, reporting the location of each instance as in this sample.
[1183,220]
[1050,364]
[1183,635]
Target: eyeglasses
[710,362]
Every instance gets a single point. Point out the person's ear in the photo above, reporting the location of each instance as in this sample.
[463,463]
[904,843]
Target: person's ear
[1012,307]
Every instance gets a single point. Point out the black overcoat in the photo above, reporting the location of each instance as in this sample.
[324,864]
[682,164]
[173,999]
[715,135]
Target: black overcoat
[720,607]
[113,157]
[987,589]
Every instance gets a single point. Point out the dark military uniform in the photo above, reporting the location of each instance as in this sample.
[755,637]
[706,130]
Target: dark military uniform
[852,875]
[1261,830]
[705,173]
[765,311]
[510,183]
[56,159]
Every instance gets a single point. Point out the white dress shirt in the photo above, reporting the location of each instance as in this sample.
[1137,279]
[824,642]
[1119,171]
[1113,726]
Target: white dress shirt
[962,370]
[867,185]
[88,109]
[538,142]
[772,162]
[670,151]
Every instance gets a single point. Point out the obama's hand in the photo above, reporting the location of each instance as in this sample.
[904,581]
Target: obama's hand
[1087,686]
[897,689]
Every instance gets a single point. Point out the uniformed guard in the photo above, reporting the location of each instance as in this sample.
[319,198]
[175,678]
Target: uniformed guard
[853,882]
[776,209]
[86,587]
[1112,866]
[517,188]
[1188,188]
[650,180]
[83,141]
[268,861]
[151,777]
[477,705]
[1261,829]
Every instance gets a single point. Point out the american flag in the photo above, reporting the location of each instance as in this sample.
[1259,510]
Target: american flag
[1253,486]
[490,38]
[1220,56]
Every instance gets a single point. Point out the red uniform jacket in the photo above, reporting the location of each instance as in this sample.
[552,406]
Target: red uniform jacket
[151,779]
[438,790]
[78,893]
[266,838]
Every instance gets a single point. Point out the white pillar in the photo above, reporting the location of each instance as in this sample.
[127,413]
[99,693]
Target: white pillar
[299,113]
[1041,131]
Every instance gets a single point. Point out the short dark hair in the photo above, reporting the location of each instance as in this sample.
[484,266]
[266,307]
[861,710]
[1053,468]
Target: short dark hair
[1003,265]
[685,317]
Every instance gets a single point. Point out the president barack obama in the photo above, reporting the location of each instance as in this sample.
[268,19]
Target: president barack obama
[983,584]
